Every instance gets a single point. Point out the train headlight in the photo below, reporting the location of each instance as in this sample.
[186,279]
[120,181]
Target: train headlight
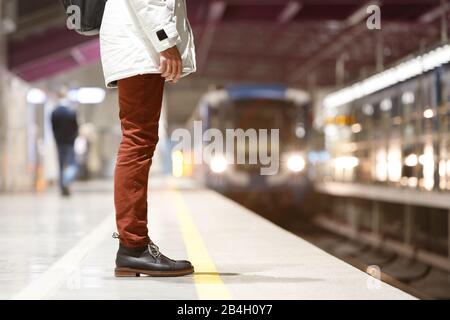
[218,164]
[296,163]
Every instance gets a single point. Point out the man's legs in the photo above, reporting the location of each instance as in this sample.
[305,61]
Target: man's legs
[67,167]
[71,166]
[140,99]
[61,157]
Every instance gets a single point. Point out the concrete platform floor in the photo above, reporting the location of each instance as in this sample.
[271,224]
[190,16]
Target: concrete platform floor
[54,248]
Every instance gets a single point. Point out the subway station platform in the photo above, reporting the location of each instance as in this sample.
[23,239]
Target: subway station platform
[54,248]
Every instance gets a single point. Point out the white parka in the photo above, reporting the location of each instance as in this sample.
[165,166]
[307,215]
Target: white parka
[134,32]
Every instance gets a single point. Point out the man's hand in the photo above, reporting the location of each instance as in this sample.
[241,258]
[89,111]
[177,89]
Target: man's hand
[171,64]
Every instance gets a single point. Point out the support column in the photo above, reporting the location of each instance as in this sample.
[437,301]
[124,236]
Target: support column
[448,233]
[3,109]
[379,58]
[312,82]
[340,70]
[408,225]
[352,218]
[376,218]
[444,22]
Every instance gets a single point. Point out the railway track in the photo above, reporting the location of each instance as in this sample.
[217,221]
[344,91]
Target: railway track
[403,271]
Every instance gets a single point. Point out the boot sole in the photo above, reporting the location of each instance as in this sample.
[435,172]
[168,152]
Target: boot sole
[130,272]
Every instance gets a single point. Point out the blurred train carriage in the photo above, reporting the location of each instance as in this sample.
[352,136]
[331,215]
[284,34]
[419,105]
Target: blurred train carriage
[264,107]
[388,173]
[398,136]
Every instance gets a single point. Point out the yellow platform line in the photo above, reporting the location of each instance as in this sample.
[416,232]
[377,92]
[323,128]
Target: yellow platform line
[208,282]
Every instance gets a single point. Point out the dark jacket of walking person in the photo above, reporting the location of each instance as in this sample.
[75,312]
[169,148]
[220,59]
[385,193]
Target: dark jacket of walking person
[144,44]
[65,131]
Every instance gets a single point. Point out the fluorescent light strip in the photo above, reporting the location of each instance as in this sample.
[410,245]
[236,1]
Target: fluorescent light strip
[404,71]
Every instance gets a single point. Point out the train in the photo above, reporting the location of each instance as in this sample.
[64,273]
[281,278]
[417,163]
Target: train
[386,176]
[398,136]
[395,133]
[262,122]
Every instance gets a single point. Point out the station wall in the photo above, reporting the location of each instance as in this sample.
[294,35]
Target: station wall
[17,172]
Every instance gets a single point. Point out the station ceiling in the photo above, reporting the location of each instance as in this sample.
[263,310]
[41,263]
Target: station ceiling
[287,41]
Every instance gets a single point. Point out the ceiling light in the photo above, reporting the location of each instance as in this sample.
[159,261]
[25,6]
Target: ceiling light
[390,77]
[36,96]
[90,95]
[386,105]
[408,97]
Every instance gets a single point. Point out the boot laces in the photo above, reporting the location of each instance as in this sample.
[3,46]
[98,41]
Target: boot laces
[154,250]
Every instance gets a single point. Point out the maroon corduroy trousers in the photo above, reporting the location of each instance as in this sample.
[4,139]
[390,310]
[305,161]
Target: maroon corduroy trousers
[140,100]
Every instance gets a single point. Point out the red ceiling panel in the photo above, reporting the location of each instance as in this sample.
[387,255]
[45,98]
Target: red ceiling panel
[250,32]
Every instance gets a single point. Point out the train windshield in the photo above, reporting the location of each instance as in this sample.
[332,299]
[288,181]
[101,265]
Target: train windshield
[266,114]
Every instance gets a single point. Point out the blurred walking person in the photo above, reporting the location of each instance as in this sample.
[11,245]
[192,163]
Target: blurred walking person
[144,43]
[65,129]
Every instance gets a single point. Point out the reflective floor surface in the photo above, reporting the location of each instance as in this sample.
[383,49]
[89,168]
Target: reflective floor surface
[55,248]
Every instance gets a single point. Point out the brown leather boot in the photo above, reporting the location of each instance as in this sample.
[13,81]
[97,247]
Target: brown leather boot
[148,260]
